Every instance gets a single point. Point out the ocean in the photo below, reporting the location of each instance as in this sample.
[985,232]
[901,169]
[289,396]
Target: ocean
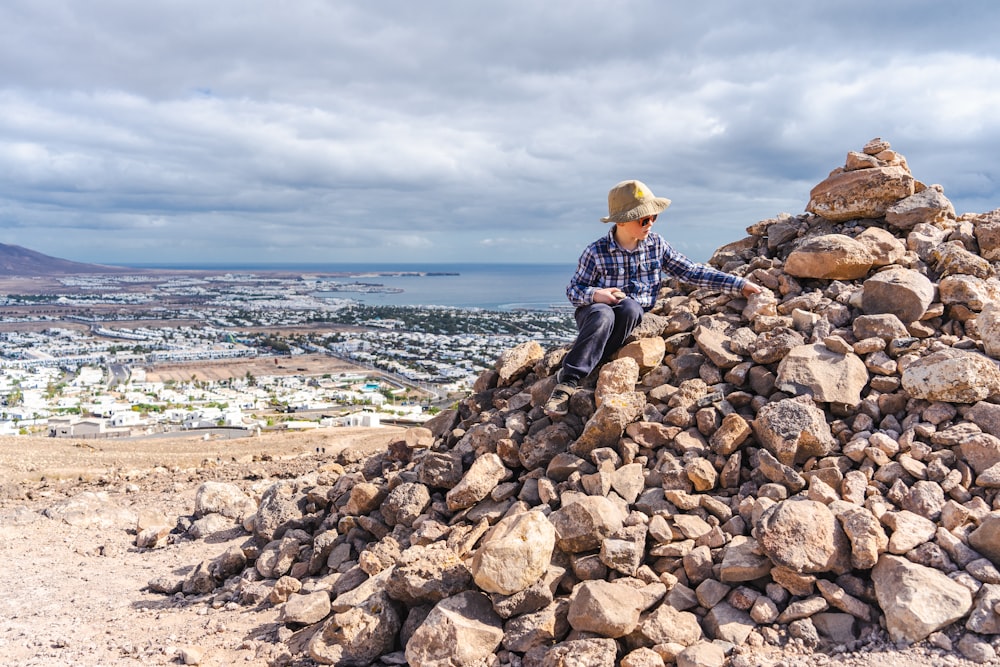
[487,286]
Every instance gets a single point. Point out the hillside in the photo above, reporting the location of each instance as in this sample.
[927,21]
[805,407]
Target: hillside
[810,476]
[18,261]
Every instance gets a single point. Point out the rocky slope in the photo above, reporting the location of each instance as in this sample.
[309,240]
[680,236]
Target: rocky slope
[815,467]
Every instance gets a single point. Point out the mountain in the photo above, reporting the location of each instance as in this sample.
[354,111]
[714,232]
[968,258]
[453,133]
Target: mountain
[18,261]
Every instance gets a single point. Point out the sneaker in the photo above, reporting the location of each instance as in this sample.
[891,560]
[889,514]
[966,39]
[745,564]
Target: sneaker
[558,403]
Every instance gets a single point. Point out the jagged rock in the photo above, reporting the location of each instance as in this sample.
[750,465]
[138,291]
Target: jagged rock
[646,352]
[987,226]
[984,618]
[985,539]
[831,257]
[210,524]
[514,554]
[952,375]
[864,193]
[726,623]
[582,524]
[909,530]
[883,246]
[732,432]
[608,423]
[665,624]
[952,258]
[364,498]
[460,630]
[616,377]
[774,345]
[792,430]
[971,291]
[885,326]
[868,539]
[599,652]
[537,629]
[442,470]
[703,654]
[427,575]
[405,503]
[905,293]
[804,536]
[825,375]
[358,635]
[927,206]
[988,324]
[228,500]
[279,510]
[516,362]
[607,608]
[482,477]
[717,346]
[915,599]
[306,609]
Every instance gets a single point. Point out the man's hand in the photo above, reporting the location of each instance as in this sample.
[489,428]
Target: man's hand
[750,289]
[609,295]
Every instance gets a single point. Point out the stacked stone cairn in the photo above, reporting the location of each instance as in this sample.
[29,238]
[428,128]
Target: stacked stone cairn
[815,467]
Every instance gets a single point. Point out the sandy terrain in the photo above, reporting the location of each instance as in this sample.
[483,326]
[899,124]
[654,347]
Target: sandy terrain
[74,585]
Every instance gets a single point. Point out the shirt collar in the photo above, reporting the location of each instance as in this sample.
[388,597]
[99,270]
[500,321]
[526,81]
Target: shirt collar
[613,243]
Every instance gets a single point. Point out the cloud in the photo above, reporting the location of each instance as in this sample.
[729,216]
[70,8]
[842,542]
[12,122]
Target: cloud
[447,131]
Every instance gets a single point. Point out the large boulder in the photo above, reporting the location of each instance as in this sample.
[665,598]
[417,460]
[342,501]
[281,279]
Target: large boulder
[514,554]
[805,537]
[831,257]
[460,630]
[952,375]
[793,430]
[904,293]
[861,193]
[827,376]
[917,600]
[929,206]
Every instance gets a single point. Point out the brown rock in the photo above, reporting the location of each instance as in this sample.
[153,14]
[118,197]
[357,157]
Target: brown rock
[865,193]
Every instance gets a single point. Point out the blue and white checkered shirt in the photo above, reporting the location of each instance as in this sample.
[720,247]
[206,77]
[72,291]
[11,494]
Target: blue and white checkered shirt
[604,263]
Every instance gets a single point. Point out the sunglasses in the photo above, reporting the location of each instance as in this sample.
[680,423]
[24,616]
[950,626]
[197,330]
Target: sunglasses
[646,222]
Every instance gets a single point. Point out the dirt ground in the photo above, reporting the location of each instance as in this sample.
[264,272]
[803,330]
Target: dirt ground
[74,586]
[307,365]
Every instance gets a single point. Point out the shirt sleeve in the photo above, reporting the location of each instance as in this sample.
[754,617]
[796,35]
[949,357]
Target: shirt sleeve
[586,279]
[701,275]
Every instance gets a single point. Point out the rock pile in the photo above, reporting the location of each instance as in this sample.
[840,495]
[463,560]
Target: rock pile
[818,465]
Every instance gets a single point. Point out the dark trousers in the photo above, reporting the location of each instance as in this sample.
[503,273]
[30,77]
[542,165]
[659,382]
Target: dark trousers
[601,331]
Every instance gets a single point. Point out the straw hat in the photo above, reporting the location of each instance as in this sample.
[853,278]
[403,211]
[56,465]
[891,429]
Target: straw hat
[632,200]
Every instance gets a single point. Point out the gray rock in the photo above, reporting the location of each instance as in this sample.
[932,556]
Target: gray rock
[915,599]
[359,635]
[599,652]
[793,430]
[606,608]
[405,503]
[583,524]
[905,293]
[460,630]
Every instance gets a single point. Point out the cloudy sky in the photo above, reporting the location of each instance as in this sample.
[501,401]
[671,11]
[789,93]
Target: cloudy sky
[247,131]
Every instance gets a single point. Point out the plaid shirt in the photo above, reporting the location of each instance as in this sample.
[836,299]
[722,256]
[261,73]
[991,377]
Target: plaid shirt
[604,263]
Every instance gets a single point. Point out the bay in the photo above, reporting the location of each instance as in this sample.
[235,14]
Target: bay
[457,285]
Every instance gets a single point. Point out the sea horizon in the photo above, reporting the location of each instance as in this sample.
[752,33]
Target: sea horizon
[490,286]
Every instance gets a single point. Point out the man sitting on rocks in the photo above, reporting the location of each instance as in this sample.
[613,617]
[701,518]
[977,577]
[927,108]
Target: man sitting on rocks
[616,281]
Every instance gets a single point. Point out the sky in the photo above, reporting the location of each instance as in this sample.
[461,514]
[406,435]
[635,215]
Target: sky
[246,132]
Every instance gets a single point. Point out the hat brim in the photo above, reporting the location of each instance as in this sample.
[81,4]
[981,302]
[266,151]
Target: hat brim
[647,208]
